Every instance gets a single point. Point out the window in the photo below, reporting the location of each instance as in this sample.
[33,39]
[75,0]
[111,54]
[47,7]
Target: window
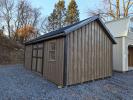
[52,51]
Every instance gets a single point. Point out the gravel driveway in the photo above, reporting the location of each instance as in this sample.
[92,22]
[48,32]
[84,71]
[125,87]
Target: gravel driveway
[16,83]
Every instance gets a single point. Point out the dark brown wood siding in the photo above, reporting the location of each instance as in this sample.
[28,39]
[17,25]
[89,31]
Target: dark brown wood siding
[53,69]
[130,57]
[28,56]
[89,54]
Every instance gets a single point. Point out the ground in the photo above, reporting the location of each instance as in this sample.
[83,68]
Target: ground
[16,83]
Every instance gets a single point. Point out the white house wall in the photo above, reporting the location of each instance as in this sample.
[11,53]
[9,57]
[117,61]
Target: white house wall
[124,55]
[117,55]
[119,28]
[120,53]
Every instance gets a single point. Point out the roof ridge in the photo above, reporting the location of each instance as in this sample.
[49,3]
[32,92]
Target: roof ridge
[67,29]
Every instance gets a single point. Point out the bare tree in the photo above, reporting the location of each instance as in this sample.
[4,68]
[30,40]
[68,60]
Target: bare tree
[44,25]
[24,13]
[6,13]
[26,16]
[36,16]
[2,31]
[114,9]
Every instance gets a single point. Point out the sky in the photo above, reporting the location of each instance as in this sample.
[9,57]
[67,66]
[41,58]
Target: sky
[83,6]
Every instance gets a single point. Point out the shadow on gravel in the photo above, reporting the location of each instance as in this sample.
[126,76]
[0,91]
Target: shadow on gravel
[16,83]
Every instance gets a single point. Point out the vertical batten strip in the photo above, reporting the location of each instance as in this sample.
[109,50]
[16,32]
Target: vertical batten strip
[68,59]
[102,54]
[36,58]
[79,54]
[75,57]
[32,57]
[42,57]
[108,53]
[99,51]
[97,69]
[96,28]
[90,53]
[86,52]
[100,71]
[97,44]
[93,46]
[94,51]
[106,56]
[65,61]
[72,66]
[83,54]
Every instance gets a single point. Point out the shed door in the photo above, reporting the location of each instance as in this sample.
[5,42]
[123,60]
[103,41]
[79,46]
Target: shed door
[130,56]
[54,60]
[40,58]
[37,58]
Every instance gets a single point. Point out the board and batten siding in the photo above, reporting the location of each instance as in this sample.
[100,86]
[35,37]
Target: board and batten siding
[53,70]
[28,56]
[89,54]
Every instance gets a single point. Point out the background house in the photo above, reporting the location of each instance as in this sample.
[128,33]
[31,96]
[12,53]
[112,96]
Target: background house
[74,54]
[122,30]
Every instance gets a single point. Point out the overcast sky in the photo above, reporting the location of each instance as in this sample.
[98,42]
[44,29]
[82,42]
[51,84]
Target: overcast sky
[84,5]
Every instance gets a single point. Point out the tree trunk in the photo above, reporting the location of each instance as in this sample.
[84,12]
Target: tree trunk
[118,9]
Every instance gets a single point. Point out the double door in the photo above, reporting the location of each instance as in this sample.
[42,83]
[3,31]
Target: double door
[37,58]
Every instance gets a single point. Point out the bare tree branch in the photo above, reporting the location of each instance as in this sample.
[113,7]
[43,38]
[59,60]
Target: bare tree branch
[115,9]
[6,12]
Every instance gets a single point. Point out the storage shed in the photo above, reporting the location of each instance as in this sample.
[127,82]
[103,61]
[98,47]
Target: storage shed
[73,54]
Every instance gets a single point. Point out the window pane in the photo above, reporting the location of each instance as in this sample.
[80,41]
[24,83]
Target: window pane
[35,46]
[39,65]
[52,55]
[52,51]
[40,45]
[52,46]
[34,64]
[40,53]
[34,53]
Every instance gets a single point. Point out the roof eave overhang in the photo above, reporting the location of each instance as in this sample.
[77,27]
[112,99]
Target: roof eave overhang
[62,34]
[73,28]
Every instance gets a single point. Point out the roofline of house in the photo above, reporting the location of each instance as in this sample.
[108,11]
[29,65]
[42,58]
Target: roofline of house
[72,28]
[118,19]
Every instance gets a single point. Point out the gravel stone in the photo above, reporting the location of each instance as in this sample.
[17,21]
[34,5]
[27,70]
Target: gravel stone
[17,83]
